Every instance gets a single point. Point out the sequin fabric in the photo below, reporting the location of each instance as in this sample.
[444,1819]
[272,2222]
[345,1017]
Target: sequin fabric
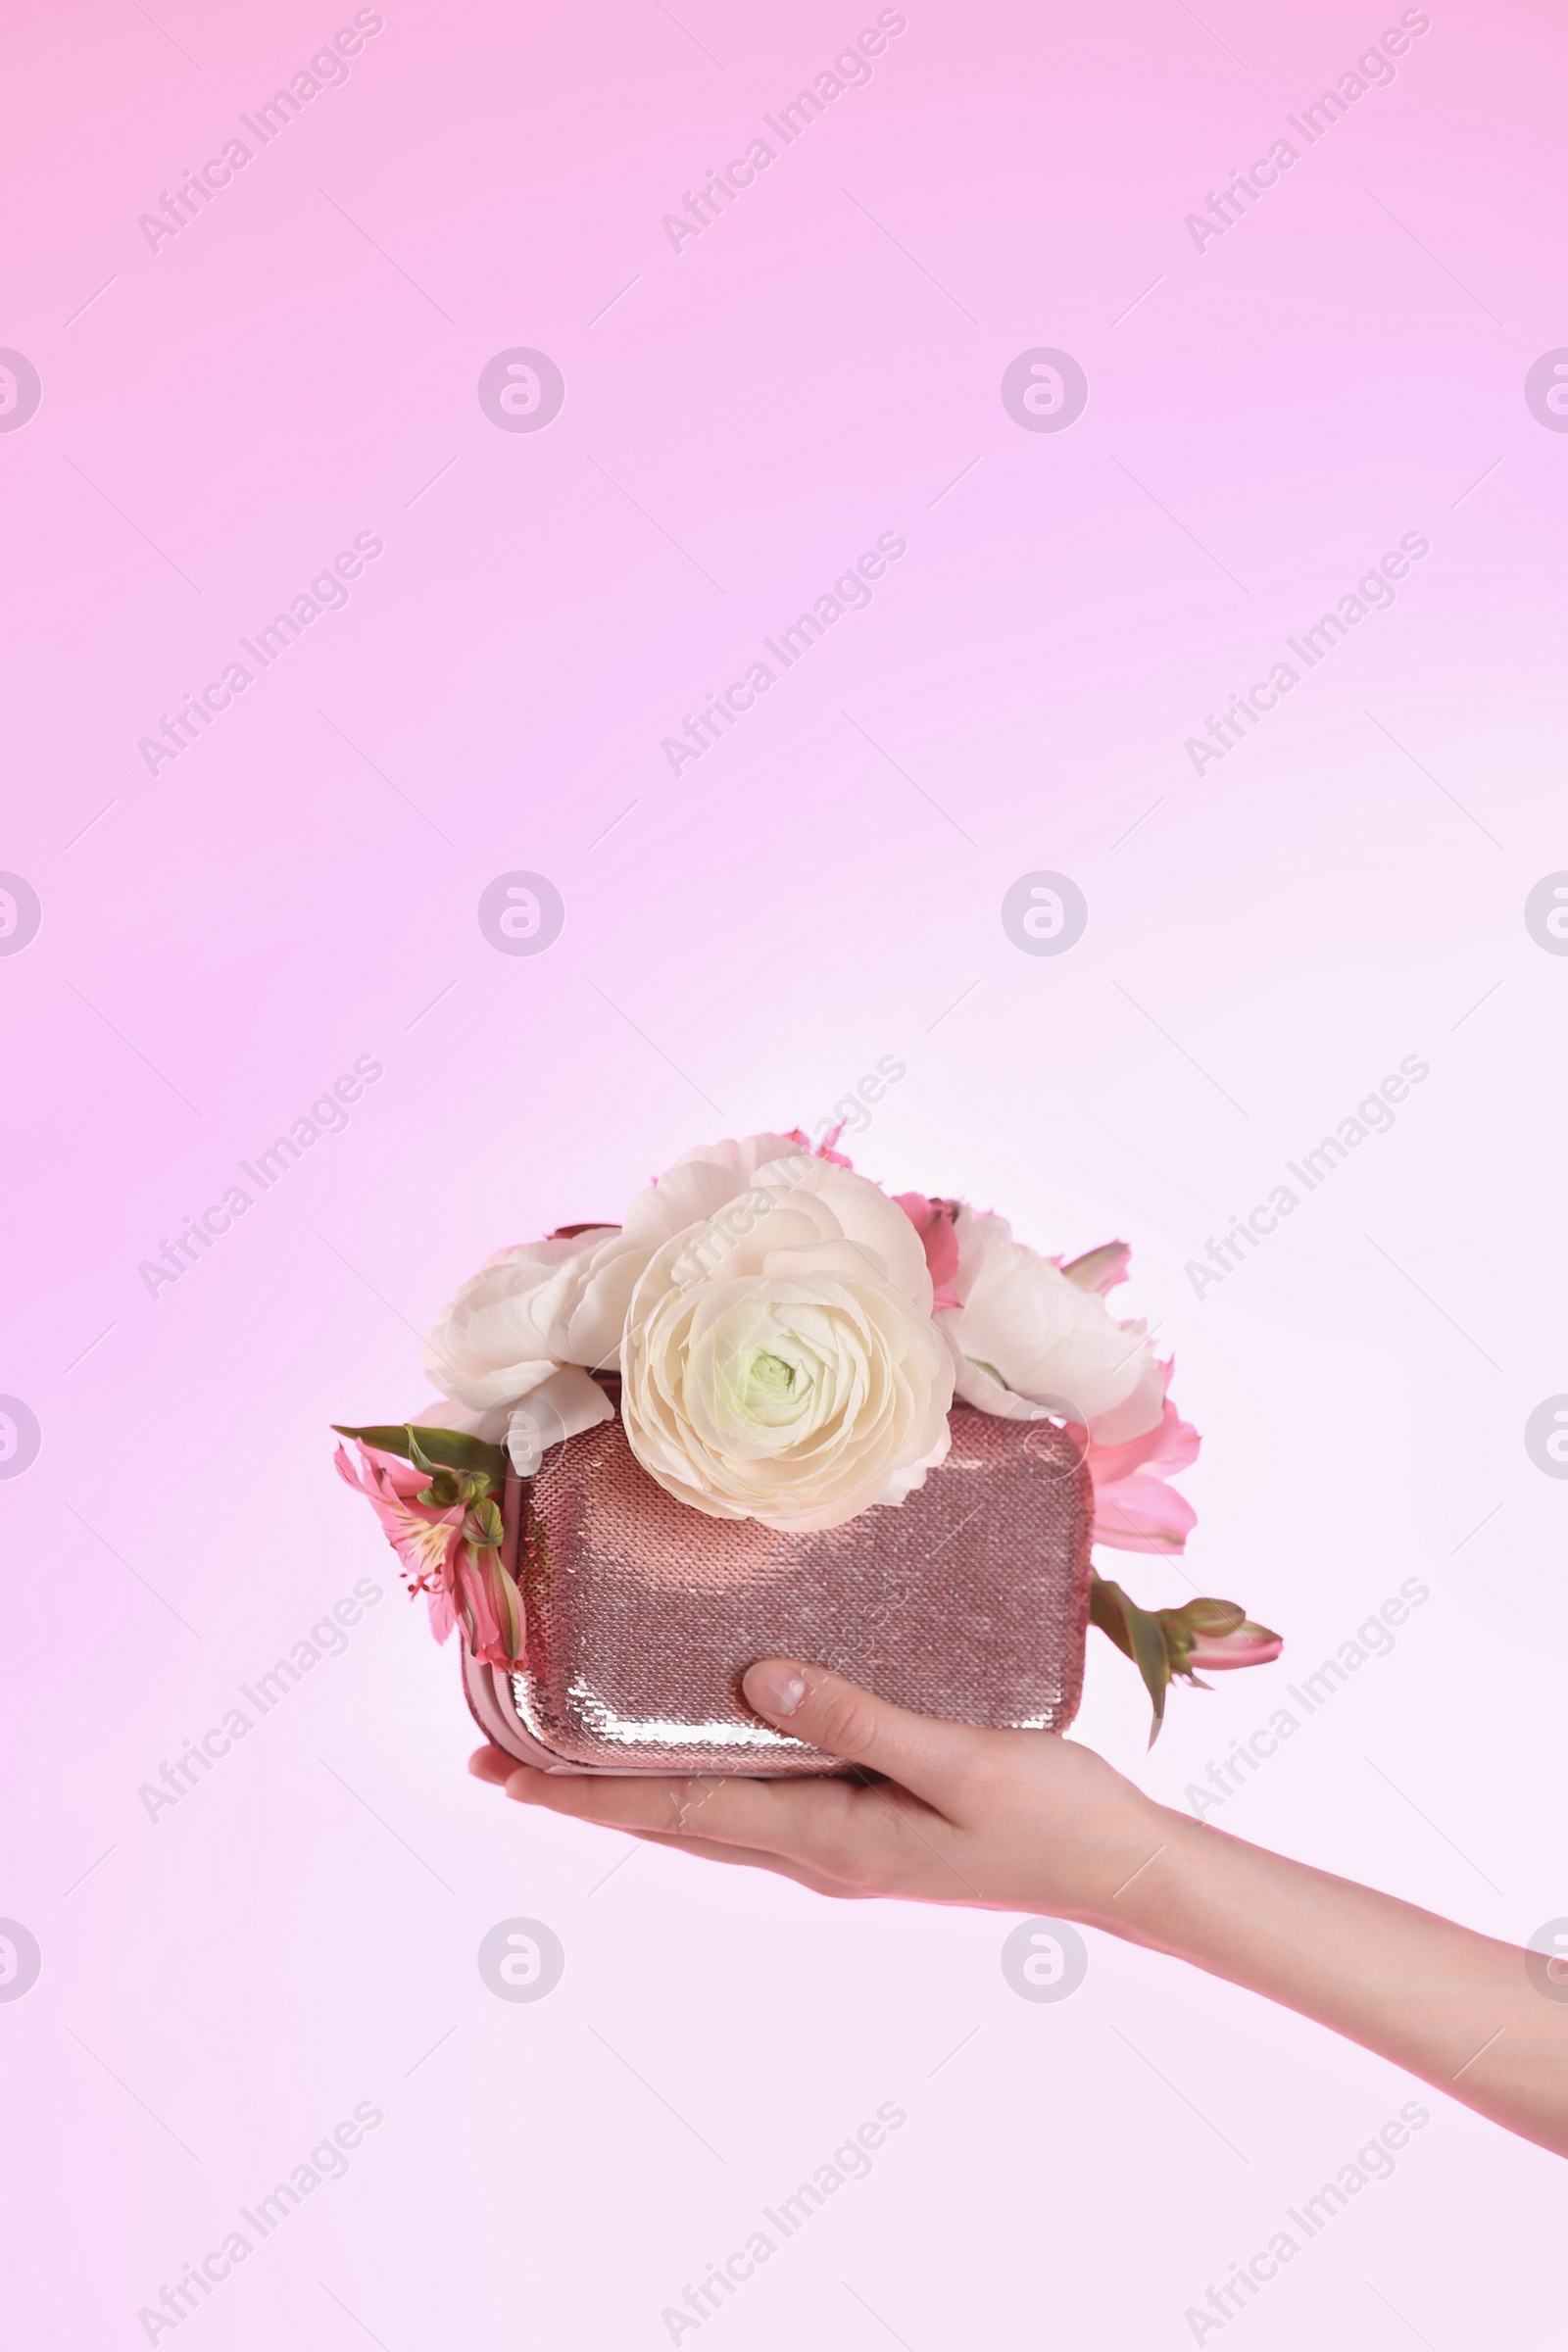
[970,1601]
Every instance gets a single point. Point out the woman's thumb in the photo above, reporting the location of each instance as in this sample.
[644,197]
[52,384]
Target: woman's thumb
[813,1704]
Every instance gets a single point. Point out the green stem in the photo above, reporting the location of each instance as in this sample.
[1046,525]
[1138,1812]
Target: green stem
[1160,1642]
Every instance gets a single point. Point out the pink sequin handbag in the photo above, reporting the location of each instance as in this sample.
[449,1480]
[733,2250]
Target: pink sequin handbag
[969,1601]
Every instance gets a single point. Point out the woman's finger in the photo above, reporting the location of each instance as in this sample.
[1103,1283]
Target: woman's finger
[837,1830]
[495,1765]
[777,1815]
[753,1858]
[918,1751]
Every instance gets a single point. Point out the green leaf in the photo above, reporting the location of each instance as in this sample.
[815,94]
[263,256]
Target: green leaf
[483,1526]
[428,1449]
[1139,1635]
[1107,1602]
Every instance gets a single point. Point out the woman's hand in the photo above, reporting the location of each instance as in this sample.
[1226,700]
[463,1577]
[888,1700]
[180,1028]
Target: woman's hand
[1027,1821]
[1012,1820]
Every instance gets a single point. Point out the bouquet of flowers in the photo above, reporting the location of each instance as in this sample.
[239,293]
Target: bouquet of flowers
[788,1341]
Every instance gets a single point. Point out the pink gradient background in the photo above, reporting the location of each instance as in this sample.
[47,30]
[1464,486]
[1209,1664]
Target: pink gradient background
[1344,367]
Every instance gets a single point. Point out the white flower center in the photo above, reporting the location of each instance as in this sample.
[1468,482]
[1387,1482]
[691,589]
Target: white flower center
[772,1390]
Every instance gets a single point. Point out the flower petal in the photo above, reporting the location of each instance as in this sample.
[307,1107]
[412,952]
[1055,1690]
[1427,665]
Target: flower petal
[979,1386]
[1171,1444]
[934,1221]
[1099,1270]
[1142,1514]
[1248,1645]
[489,1605]
[560,1407]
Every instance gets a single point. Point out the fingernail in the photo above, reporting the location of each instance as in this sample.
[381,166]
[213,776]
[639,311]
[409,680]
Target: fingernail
[775,1688]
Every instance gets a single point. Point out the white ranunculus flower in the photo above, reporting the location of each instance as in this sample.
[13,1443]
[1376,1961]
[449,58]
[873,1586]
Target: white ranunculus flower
[780,1361]
[532,1309]
[529,1311]
[1025,1332]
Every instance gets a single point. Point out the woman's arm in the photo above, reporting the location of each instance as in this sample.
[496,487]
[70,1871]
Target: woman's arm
[1027,1821]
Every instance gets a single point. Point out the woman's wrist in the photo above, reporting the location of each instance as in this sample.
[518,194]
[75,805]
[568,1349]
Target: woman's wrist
[1154,1892]
[1213,1899]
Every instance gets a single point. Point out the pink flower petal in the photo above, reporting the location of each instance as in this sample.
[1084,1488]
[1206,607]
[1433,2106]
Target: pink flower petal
[1100,1269]
[824,1150]
[489,1605]
[423,1537]
[443,1611]
[1171,1444]
[933,1221]
[1250,1645]
[1142,1514]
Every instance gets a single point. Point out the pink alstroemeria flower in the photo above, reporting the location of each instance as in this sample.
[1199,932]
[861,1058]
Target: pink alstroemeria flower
[463,1581]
